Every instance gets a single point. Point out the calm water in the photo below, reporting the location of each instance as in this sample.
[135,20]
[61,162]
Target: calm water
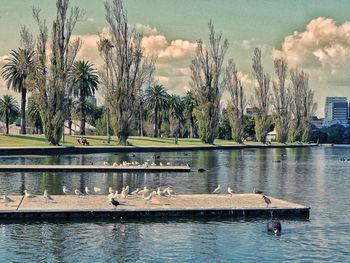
[314,177]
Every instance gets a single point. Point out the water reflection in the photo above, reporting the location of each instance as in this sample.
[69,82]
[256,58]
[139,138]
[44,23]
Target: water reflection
[316,177]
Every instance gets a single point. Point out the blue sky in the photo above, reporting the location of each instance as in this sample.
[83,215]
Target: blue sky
[321,45]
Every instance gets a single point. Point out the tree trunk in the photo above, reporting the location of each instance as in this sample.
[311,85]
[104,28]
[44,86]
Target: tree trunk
[70,126]
[108,135]
[83,116]
[192,125]
[7,121]
[122,138]
[156,122]
[23,110]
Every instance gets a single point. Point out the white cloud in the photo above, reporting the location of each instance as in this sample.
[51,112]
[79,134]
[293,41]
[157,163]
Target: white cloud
[246,44]
[145,29]
[158,45]
[323,43]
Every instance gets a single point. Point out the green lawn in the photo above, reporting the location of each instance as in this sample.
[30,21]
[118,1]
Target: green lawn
[40,140]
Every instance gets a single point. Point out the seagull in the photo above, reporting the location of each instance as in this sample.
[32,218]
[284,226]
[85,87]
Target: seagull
[110,190]
[267,200]
[87,190]
[217,190]
[169,191]
[6,199]
[135,191]
[230,191]
[149,197]
[27,194]
[144,191]
[97,190]
[125,192]
[115,195]
[114,202]
[78,192]
[160,192]
[47,196]
[105,163]
[257,191]
[65,190]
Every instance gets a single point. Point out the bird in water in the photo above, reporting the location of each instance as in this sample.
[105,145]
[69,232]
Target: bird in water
[274,226]
[217,190]
[230,191]
[27,194]
[65,190]
[257,191]
[78,192]
[267,200]
[114,202]
[6,199]
[47,197]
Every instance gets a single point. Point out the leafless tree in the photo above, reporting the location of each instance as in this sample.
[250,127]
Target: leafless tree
[281,100]
[129,69]
[261,100]
[50,85]
[207,83]
[237,101]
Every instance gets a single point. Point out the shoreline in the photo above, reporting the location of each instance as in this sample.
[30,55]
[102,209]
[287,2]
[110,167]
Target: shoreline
[64,150]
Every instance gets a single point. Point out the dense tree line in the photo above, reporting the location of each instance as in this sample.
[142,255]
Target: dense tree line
[134,104]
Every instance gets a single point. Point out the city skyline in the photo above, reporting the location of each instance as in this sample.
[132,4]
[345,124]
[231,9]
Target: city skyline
[315,36]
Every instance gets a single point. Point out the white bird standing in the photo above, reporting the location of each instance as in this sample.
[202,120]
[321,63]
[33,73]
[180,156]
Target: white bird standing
[124,192]
[87,191]
[230,191]
[97,190]
[135,191]
[27,194]
[110,190]
[168,191]
[78,192]
[160,193]
[6,199]
[144,191]
[149,197]
[65,190]
[217,190]
[47,197]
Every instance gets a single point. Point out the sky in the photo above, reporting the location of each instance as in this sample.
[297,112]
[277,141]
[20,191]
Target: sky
[312,35]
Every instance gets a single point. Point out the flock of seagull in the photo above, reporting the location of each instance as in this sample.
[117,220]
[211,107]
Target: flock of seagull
[137,164]
[113,195]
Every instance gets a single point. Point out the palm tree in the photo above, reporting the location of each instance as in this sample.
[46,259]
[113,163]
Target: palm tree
[84,80]
[176,107]
[9,109]
[156,98]
[34,115]
[16,71]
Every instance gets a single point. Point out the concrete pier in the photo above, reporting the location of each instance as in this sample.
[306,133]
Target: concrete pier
[198,206]
[92,168]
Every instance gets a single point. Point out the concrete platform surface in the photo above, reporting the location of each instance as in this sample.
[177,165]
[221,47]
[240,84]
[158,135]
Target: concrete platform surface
[136,206]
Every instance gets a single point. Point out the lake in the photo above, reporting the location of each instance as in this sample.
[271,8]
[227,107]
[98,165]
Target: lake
[317,177]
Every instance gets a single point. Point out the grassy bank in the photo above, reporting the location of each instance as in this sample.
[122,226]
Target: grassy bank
[40,140]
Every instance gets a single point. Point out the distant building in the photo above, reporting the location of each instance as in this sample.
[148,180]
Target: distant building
[336,111]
